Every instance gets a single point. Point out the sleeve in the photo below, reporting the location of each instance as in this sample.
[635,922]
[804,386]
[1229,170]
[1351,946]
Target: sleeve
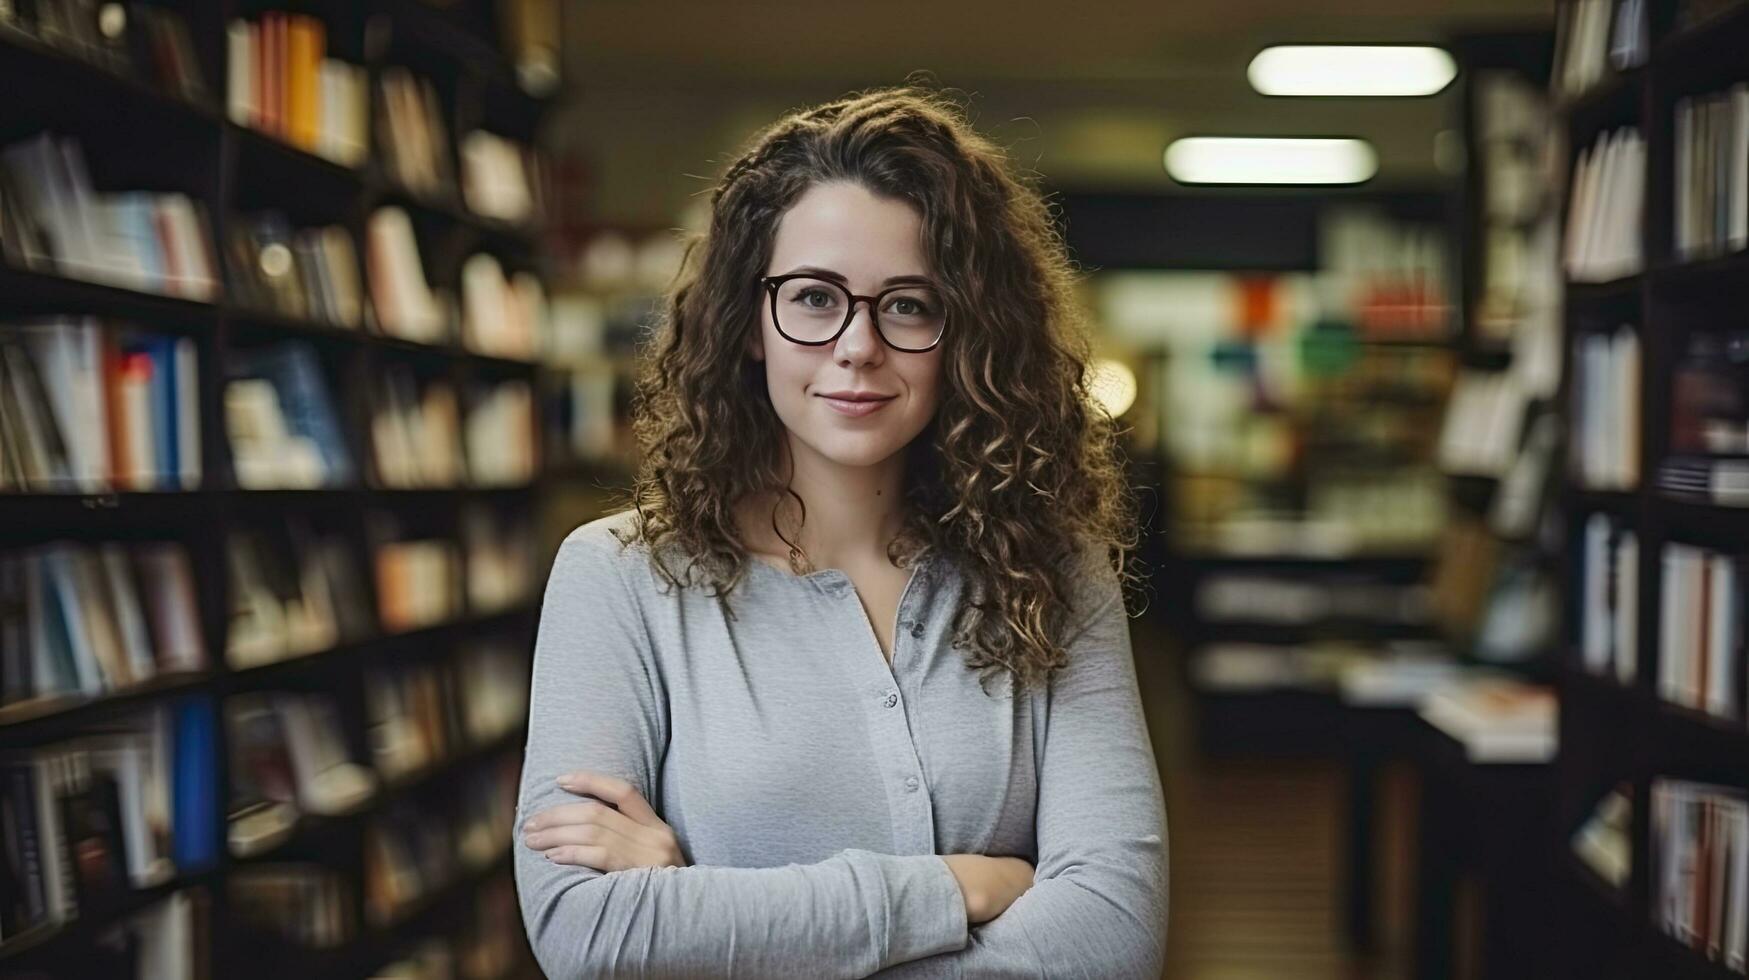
[596,703]
[1097,906]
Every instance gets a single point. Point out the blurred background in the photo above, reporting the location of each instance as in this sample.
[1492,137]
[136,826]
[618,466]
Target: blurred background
[317,331]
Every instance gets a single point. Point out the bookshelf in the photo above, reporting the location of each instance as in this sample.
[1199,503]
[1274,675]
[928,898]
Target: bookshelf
[139,132]
[1619,725]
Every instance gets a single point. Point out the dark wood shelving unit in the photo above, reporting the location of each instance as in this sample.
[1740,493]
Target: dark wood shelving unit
[139,137]
[1613,733]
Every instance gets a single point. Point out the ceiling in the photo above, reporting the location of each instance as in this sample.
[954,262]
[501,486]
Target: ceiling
[1087,94]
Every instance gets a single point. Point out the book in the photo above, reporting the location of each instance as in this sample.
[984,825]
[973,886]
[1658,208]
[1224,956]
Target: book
[406,306]
[281,81]
[281,420]
[1699,866]
[1711,203]
[1605,207]
[156,241]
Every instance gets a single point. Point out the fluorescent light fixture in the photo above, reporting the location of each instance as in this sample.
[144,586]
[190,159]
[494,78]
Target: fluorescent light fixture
[1351,69]
[1270,160]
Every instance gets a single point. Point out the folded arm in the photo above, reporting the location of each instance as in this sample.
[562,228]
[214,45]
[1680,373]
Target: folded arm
[596,703]
[1097,907]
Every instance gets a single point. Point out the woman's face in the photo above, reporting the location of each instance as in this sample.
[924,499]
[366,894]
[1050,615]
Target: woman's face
[843,230]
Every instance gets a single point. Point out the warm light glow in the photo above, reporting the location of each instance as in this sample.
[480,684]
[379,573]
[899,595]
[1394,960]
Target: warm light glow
[1351,69]
[1113,385]
[1270,160]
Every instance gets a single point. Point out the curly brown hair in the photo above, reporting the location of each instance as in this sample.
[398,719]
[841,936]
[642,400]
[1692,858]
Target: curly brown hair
[1018,475]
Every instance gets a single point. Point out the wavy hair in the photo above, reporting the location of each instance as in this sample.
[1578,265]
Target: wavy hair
[1018,476]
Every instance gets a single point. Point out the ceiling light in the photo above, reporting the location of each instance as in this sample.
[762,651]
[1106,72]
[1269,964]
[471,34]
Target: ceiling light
[1270,160]
[1351,69]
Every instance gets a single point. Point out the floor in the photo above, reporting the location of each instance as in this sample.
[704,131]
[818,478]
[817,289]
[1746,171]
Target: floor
[1256,892]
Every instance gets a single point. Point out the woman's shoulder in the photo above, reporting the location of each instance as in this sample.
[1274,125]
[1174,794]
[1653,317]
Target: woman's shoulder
[606,545]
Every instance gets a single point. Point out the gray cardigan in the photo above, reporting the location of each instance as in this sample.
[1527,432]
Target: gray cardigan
[812,787]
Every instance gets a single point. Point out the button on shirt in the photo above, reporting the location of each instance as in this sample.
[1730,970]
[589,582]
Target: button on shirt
[813,786]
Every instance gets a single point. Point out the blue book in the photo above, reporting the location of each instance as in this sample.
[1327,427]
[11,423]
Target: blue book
[194,792]
[296,375]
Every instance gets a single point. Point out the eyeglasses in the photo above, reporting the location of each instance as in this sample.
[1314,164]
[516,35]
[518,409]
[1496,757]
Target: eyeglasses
[812,311]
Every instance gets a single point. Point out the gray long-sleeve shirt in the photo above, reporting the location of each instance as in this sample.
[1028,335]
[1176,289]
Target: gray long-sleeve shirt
[812,787]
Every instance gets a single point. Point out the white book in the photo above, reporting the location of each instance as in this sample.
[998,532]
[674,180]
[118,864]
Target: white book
[240,74]
[1737,236]
[60,577]
[404,303]
[98,608]
[1720,629]
[68,359]
[137,413]
[84,247]
[485,304]
[1669,612]
[1632,193]
[1599,206]
[1580,198]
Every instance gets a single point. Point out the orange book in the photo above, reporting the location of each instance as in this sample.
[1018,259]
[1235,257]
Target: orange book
[305,41]
[120,462]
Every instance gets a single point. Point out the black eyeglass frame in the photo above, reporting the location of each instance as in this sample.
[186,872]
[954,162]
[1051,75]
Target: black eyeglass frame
[771,283]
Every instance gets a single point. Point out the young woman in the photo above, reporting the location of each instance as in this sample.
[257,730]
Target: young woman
[850,690]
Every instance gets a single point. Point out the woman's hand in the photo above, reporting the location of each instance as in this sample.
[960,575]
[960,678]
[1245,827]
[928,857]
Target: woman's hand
[596,835]
[989,884]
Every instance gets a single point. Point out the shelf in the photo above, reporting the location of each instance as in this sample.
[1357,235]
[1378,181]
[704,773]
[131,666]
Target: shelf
[1612,102]
[1700,520]
[345,655]
[1705,279]
[449,207]
[50,69]
[24,290]
[280,159]
[44,943]
[44,719]
[1675,961]
[1622,503]
[1721,38]
[1614,291]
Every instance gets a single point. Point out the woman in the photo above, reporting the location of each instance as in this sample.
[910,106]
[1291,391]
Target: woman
[859,656]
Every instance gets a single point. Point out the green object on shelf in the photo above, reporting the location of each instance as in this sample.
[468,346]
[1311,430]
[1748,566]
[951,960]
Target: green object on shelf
[1328,349]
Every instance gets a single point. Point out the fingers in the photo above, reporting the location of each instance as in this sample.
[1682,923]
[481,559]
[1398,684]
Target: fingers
[620,850]
[611,789]
[592,812]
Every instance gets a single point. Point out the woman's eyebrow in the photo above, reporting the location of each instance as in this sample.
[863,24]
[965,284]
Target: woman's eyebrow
[839,277]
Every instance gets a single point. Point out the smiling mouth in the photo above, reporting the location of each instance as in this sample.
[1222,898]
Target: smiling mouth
[855,407]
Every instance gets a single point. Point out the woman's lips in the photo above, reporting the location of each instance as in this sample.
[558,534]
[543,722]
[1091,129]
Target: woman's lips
[854,409]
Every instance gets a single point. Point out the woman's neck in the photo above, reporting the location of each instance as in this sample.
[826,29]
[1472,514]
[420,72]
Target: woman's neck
[852,512]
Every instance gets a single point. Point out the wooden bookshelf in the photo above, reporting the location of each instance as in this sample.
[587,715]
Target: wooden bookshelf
[137,136]
[1610,732]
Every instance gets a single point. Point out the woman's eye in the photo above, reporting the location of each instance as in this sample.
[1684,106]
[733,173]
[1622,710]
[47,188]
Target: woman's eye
[807,297]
